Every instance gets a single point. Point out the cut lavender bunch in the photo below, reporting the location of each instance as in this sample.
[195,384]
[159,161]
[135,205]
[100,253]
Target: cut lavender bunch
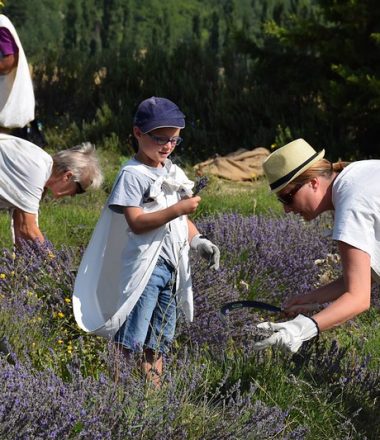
[200,183]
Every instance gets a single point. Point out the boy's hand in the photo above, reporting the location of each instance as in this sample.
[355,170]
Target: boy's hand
[188,205]
[207,250]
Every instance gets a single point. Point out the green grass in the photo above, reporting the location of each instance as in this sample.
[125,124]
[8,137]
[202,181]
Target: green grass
[246,198]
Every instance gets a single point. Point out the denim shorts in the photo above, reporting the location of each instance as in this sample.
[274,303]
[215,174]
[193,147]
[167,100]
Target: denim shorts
[151,323]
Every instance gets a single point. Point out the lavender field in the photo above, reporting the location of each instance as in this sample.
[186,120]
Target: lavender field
[57,383]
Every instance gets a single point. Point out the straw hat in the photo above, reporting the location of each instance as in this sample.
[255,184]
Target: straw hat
[288,162]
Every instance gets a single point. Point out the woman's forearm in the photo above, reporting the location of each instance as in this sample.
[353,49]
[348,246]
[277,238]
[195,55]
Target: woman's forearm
[25,226]
[327,293]
[344,308]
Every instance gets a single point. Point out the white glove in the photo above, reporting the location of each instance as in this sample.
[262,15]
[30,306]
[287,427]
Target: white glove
[290,334]
[206,249]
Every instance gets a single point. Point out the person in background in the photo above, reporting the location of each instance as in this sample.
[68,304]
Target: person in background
[155,197]
[308,185]
[17,103]
[27,171]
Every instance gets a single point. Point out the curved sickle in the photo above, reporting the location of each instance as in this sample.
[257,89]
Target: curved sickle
[234,305]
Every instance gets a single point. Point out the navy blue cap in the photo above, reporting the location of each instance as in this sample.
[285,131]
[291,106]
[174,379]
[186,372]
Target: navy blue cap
[155,113]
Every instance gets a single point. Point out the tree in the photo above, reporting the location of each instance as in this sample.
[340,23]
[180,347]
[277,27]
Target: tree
[39,24]
[333,59]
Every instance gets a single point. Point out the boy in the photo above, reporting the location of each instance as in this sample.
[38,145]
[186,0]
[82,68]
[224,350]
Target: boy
[155,197]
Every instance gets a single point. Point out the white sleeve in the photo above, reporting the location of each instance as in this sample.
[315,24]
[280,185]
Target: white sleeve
[354,220]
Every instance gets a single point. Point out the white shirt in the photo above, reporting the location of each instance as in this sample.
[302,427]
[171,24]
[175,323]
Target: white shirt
[24,171]
[356,198]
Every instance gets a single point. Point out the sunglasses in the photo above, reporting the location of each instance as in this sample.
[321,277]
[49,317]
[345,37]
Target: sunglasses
[163,140]
[287,199]
[79,188]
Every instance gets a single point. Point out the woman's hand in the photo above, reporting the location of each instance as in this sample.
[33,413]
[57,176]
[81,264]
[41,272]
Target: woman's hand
[299,304]
[304,309]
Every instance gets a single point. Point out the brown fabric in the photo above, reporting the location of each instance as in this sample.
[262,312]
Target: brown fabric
[237,166]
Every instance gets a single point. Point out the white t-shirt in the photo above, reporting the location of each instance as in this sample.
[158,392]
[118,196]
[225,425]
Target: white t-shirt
[24,170]
[356,198]
[132,189]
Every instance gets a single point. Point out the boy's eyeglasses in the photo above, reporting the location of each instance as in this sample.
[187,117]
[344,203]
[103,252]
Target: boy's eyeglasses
[163,140]
[287,199]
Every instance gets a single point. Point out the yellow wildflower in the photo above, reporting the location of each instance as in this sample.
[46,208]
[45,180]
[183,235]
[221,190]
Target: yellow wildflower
[68,300]
[60,315]
[2,276]
[60,341]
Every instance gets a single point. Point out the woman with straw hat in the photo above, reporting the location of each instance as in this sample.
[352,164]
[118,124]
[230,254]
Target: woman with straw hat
[308,185]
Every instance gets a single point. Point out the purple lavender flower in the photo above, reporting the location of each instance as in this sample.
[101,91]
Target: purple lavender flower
[200,183]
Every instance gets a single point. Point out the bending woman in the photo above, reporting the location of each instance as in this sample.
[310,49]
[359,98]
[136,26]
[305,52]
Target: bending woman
[308,185]
[27,172]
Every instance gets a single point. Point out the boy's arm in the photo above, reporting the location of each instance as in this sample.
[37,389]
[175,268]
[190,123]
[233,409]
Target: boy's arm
[203,246]
[193,231]
[141,222]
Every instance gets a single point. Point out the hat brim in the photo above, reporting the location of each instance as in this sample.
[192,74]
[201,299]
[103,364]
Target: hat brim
[178,123]
[285,180]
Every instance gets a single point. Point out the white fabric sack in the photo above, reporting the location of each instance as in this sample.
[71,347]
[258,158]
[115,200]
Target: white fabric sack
[16,89]
[112,275]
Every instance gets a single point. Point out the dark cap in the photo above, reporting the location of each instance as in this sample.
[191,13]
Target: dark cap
[157,113]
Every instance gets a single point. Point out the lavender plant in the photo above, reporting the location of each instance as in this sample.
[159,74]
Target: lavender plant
[262,258]
[58,383]
[36,283]
[349,378]
[39,404]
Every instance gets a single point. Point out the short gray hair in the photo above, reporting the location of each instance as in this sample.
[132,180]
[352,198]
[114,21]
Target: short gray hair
[82,161]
